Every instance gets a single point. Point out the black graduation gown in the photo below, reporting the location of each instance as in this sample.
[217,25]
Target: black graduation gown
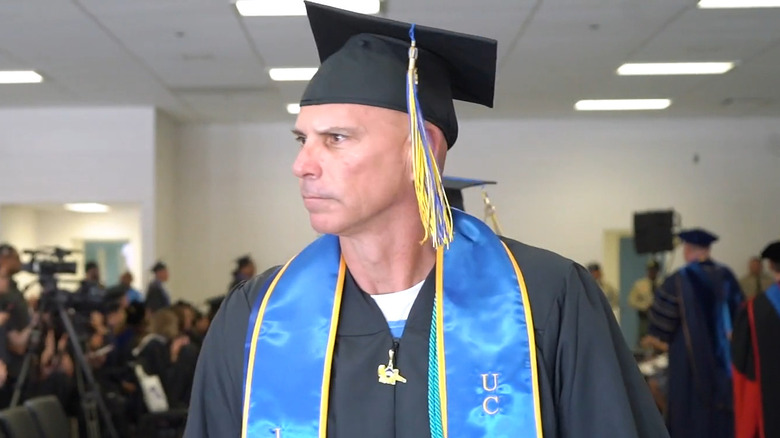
[589,381]
[757,401]
[157,297]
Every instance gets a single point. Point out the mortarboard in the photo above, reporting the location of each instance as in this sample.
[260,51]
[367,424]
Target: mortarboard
[365,60]
[159,266]
[772,252]
[90,265]
[417,70]
[592,267]
[698,237]
[454,186]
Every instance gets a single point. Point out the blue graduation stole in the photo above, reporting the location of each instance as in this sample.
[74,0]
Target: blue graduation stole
[482,375]
[773,293]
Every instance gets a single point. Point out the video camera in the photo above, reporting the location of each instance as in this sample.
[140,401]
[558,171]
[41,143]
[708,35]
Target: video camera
[52,262]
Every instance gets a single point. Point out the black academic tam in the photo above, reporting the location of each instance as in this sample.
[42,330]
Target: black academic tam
[589,381]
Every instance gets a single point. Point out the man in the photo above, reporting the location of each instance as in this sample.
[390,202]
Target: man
[19,325]
[612,294]
[245,269]
[124,292]
[157,296]
[756,357]
[691,318]
[641,295]
[348,339]
[756,280]
[91,288]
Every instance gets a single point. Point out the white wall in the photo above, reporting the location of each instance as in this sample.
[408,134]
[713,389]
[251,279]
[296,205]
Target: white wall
[30,227]
[18,226]
[166,151]
[70,230]
[56,155]
[562,183]
[235,195]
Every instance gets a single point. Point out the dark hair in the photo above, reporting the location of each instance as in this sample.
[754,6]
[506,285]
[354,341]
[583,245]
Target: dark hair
[6,248]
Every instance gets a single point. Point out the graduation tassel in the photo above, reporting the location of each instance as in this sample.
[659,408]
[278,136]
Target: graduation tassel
[432,201]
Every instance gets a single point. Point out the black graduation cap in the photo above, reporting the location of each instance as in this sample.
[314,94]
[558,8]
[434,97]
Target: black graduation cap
[772,252]
[365,60]
[159,266]
[454,186]
[90,265]
[698,237]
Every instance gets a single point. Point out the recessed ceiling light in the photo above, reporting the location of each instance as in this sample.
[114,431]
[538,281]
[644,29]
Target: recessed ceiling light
[87,207]
[292,74]
[20,77]
[293,108]
[622,104]
[278,8]
[738,4]
[674,68]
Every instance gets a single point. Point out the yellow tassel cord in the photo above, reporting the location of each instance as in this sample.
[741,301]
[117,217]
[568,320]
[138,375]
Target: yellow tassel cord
[434,207]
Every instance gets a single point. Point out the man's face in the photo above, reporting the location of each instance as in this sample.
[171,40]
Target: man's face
[652,273]
[754,267]
[10,263]
[126,279]
[353,167]
[690,252]
[248,270]
[162,275]
[93,274]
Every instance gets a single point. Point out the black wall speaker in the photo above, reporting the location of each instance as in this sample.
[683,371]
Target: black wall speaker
[654,231]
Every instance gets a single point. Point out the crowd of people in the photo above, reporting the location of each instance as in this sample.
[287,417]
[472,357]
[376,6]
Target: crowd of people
[702,320]
[123,333]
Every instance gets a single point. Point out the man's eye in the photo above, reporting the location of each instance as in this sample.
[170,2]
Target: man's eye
[301,140]
[337,138]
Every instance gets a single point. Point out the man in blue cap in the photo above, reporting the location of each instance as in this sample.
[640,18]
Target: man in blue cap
[691,318]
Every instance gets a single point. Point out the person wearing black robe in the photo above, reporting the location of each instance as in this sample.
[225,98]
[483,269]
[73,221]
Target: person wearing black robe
[356,184]
[691,318]
[245,269]
[756,357]
[157,296]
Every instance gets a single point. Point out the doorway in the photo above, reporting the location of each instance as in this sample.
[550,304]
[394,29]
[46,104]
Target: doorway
[110,257]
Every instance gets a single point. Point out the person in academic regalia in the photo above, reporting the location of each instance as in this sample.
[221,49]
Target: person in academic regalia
[245,269]
[691,318]
[407,318]
[454,186]
[157,296]
[756,359]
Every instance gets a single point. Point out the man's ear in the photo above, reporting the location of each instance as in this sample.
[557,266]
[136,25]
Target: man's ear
[438,143]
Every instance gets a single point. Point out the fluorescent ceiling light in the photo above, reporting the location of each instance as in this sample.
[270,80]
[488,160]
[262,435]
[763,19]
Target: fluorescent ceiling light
[87,207]
[279,8]
[292,74]
[293,108]
[19,77]
[622,104]
[675,68]
[738,4]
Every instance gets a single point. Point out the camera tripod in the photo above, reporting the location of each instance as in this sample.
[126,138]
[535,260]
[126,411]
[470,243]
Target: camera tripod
[92,404]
